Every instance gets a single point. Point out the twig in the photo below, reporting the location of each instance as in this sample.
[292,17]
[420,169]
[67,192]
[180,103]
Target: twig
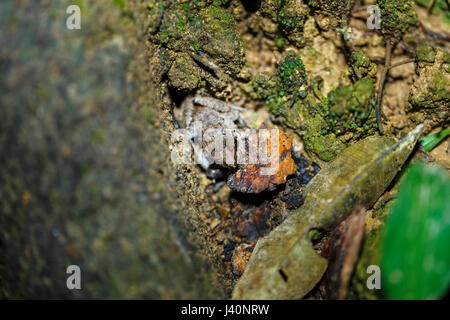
[431,5]
[401,63]
[361,8]
[381,85]
[436,35]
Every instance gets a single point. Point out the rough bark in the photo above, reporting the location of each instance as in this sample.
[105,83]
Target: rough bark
[85,176]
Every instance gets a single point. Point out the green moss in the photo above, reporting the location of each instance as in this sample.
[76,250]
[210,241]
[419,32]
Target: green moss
[291,74]
[262,86]
[212,30]
[362,66]
[440,88]
[440,8]
[182,73]
[334,10]
[173,25]
[429,96]
[205,29]
[326,147]
[397,16]
[292,16]
[438,93]
[270,8]
[336,7]
[305,118]
[425,53]
[286,97]
[217,36]
[286,86]
[349,109]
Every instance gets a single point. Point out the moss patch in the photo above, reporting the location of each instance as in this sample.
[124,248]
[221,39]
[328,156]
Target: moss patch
[397,16]
[325,124]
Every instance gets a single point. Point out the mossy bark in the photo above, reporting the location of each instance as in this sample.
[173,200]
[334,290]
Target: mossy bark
[85,173]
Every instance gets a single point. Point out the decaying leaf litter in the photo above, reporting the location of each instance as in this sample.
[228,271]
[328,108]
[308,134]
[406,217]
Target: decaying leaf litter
[284,264]
[318,75]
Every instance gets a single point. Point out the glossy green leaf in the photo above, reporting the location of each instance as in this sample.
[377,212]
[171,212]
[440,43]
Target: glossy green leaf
[432,140]
[416,259]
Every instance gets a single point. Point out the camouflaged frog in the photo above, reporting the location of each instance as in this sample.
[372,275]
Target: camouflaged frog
[205,118]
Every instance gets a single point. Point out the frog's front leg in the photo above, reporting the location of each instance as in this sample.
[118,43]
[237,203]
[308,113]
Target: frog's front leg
[220,106]
[216,104]
[187,110]
[200,157]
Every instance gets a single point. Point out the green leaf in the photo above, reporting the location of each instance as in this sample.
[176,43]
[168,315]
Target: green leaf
[416,255]
[429,142]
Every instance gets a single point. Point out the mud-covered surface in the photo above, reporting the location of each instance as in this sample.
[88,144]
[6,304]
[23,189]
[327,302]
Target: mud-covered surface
[103,106]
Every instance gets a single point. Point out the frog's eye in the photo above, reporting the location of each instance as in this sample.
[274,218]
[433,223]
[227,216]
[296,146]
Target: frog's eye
[214,173]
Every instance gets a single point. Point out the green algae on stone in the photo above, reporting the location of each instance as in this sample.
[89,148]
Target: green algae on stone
[321,124]
[208,31]
[440,8]
[432,88]
[332,13]
[397,17]
[291,19]
[425,53]
[290,84]
[349,109]
[288,17]
[326,147]
[429,96]
[182,74]
[283,264]
[218,37]
[306,119]
[361,66]
[439,91]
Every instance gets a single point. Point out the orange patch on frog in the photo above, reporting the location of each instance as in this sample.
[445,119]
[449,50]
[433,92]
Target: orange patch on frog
[250,178]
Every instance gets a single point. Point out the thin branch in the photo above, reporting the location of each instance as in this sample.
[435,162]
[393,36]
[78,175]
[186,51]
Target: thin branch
[436,35]
[401,63]
[381,85]
[431,5]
